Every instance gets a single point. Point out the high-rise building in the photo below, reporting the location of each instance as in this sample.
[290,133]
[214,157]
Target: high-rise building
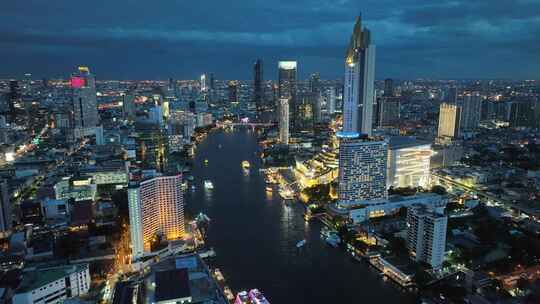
[233,91]
[452,95]
[156,209]
[471,111]
[362,171]
[305,111]
[426,235]
[6,216]
[359,83]
[449,120]
[204,83]
[85,110]
[316,91]
[331,101]
[287,88]
[284,121]
[13,97]
[128,106]
[408,162]
[388,108]
[258,89]
[388,87]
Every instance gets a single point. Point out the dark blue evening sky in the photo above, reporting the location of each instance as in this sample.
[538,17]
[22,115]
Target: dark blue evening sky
[136,39]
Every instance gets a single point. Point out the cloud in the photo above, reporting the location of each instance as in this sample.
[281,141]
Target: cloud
[415,38]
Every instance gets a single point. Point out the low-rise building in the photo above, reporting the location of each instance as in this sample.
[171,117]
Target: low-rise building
[52,285]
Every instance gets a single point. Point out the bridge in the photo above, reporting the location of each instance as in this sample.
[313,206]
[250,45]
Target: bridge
[252,125]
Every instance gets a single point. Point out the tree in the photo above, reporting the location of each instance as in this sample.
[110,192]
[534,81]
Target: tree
[439,190]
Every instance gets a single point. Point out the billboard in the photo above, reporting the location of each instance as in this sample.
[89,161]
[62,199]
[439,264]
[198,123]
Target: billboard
[77,82]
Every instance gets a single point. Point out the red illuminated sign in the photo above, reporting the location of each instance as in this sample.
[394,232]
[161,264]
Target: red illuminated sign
[77,82]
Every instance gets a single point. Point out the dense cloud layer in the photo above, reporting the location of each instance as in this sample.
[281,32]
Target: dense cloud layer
[179,38]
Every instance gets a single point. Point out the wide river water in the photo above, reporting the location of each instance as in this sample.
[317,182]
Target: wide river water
[255,234]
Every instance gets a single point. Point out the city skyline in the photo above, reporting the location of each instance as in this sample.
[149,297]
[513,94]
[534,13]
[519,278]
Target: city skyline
[415,38]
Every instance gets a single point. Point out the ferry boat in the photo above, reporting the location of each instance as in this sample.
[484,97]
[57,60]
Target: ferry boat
[245,164]
[208,185]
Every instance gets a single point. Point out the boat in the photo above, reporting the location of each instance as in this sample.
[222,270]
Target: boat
[208,185]
[269,189]
[301,244]
[333,240]
[245,164]
[242,298]
[257,297]
[190,177]
[206,161]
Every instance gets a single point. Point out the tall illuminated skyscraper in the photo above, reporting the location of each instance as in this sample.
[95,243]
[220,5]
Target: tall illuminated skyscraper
[284,121]
[156,207]
[359,83]
[287,88]
[85,113]
[315,88]
[362,171]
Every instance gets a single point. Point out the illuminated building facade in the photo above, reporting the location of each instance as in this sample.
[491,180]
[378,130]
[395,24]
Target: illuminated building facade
[408,162]
[359,82]
[449,120]
[362,171]
[156,207]
[287,89]
[85,112]
[426,235]
[284,121]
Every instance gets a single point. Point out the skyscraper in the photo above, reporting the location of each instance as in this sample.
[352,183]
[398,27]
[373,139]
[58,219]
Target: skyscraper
[13,97]
[359,83]
[449,120]
[156,208]
[452,95]
[128,106]
[258,91]
[388,87]
[204,83]
[426,235]
[233,91]
[84,99]
[315,88]
[471,111]
[388,111]
[287,88]
[362,171]
[284,121]
[6,216]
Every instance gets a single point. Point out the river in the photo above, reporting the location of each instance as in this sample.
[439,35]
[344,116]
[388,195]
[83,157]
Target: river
[255,234]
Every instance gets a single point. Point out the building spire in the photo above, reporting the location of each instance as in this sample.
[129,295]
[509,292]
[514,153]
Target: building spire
[360,39]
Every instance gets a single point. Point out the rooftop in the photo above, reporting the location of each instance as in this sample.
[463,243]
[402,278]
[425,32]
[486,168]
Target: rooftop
[172,284]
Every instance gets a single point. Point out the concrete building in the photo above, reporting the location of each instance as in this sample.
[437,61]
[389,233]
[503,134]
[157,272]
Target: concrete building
[6,213]
[449,121]
[287,89]
[471,111]
[284,121]
[53,285]
[389,109]
[156,207]
[85,112]
[408,162]
[426,235]
[362,171]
